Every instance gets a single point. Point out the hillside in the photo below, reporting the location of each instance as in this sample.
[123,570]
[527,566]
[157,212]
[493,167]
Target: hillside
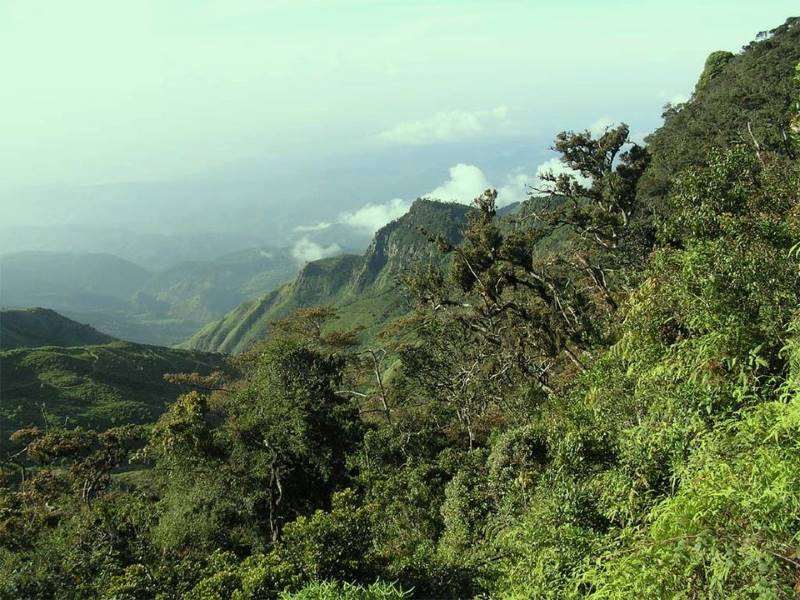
[364,288]
[595,396]
[92,386]
[743,98]
[44,327]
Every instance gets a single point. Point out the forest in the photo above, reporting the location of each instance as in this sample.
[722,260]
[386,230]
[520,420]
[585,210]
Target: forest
[595,395]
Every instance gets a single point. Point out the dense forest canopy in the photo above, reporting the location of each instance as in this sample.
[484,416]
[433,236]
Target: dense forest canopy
[595,396]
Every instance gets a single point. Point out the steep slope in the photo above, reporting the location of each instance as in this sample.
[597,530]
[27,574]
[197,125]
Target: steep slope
[365,289]
[739,98]
[93,386]
[44,327]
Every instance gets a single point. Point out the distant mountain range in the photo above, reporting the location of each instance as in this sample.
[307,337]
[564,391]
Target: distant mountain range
[137,304]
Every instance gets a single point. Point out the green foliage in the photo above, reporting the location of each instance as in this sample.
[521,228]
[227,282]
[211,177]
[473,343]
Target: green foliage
[330,545]
[346,591]
[597,396]
[730,532]
[741,99]
[91,386]
[43,327]
[236,471]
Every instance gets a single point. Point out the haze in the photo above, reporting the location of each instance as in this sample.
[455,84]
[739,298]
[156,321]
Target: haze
[270,121]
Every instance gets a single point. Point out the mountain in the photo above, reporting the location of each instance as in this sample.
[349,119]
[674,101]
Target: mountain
[156,250]
[92,385]
[746,98]
[44,327]
[137,304]
[364,289]
[75,282]
[201,291]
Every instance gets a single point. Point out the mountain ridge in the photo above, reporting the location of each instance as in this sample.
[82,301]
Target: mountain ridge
[363,288]
[33,327]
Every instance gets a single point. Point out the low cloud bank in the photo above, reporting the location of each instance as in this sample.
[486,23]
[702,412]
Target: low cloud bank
[372,217]
[465,182]
[306,250]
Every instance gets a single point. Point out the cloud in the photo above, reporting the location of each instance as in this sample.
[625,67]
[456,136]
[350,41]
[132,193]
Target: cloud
[305,250]
[265,254]
[374,216]
[466,183]
[599,127]
[318,227]
[517,188]
[673,99]
[448,126]
[637,137]
[556,167]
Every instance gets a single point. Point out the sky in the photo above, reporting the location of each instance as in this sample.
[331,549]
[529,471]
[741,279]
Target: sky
[104,93]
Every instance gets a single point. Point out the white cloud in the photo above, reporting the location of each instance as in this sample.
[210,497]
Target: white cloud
[556,167]
[265,254]
[374,216]
[600,126]
[446,127]
[318,227]
[517,187]
[305,250]
[637,137]
[466,183]
[670,97]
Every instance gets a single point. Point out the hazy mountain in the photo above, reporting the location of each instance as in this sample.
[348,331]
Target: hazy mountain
[152,250]
[138,304]
[75,282]
[202,291]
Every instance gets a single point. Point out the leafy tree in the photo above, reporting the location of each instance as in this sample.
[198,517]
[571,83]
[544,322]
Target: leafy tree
[234,472]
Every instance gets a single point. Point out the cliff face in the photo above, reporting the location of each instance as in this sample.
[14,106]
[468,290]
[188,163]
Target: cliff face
[365,289]
[402,243]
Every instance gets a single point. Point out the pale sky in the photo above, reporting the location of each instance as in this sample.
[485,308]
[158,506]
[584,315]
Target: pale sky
[106,91]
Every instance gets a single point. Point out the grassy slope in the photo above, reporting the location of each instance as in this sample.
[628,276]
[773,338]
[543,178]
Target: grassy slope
[44,327]
[93,386]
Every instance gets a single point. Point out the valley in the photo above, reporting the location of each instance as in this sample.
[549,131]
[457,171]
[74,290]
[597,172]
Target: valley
[132,303]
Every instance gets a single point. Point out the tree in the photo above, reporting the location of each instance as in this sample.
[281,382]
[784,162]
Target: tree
[270,451]
[525,304]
